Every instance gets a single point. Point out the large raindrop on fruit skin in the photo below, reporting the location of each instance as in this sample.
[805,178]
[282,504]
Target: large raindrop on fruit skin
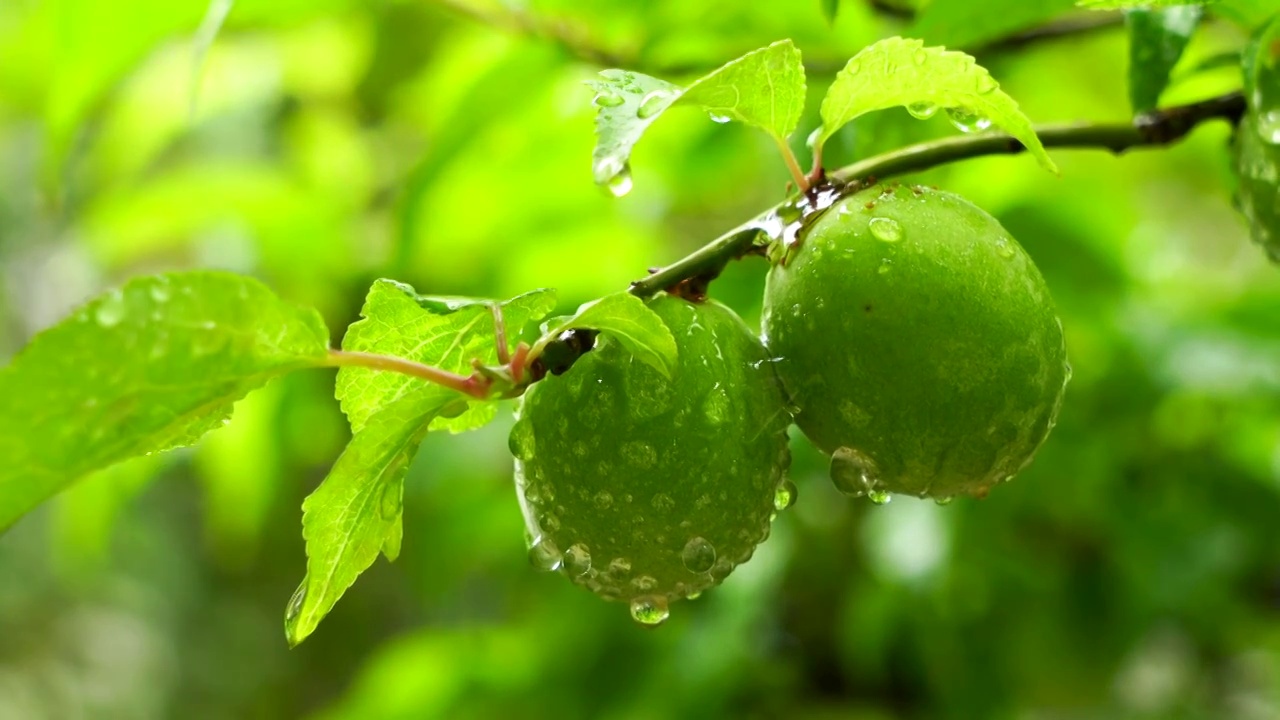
[937,378]
[659,488]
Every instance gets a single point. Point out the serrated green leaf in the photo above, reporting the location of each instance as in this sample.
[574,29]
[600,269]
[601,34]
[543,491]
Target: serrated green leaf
[1139,4]
[1157,38]
[627,319]
[764,88]
[969,24]
[900,71]
[144,368]
[443,332]
[356,512]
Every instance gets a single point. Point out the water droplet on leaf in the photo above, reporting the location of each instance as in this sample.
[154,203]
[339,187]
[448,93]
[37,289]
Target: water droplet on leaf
[966,121]
[295,603]
[922,110]
[885,229]
[620,184]
[652,104]
[609,99]
[722,119]
[110,310]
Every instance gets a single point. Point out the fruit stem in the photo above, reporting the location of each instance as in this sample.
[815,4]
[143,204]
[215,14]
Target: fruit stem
[793,165]
[1160,127]
[474,385]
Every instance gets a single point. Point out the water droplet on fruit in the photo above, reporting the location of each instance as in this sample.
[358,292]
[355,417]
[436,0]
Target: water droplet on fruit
[694,595]
[922,110]
[885,229]
[879,497]
[785,496]
[520,442]
[650,610]
[652,104]
[721,569]
[609,99]
[620,184]
[639,454]
[722,119]
[549,521]
[698,555]
[852,472]
[392,501]
[1005,249]
[943,500]
[544,555]
[619,567]
[663,501]
[966,121]
[577,560]
[603,500]
[885,265]
[110,309]
[644,583]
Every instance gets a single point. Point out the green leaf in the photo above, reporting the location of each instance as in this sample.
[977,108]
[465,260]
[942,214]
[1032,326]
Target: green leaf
[764,88]
[1257,140]
[1157,39]
[1139,4]
[443,332]
[830,8]
[970,24]
[144,368]
[628,320]
[356,512]
[899,71]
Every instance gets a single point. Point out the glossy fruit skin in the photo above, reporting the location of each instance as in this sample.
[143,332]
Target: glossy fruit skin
[663,486]
[918,341]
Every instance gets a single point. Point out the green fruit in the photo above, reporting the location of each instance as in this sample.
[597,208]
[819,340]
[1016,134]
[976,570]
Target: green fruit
[919,343]
[1258,165]
[645,489]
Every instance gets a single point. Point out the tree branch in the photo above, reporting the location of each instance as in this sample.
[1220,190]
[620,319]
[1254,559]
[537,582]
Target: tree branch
[1161,127]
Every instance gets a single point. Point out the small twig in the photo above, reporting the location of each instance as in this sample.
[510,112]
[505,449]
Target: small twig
[474,385]
[1161,127]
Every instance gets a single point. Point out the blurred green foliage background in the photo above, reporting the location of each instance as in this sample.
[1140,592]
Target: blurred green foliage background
[1132,572]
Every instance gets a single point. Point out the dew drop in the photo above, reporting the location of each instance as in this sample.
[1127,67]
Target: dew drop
[650,610]
[609,99]
[879,497]
[663,501]
[922,110]
[722,119]
[652,104]
[295,603]
[520,442]
[577,560]
[1005,249]
[640,455]
[852,472]
[549,521]
[110,310]
[603,500]
[620,184]
[885,266]
[544,555]
[785,496]
[694,595]
[644,583]
[721,569]
[698,555]
[619,567]
[885,229]
[966,121]
[943,500]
